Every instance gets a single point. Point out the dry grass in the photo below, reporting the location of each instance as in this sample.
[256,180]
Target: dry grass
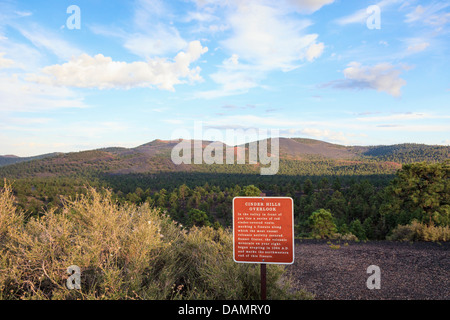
[417,231]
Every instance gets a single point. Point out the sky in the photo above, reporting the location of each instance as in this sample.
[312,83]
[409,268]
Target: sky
[85,74]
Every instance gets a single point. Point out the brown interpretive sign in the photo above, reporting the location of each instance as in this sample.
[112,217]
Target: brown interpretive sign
[263,230]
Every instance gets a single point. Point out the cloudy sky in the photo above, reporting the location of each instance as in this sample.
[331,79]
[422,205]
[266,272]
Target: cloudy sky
[123,73]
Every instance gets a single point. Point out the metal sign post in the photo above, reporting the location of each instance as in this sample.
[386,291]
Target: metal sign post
[263,281]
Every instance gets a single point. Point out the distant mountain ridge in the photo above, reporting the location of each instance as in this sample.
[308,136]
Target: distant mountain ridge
[155,156]
[298,148]
[11,159]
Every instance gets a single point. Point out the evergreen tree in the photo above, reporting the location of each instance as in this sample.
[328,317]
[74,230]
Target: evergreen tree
[357,229]
[322,224]
[419,191]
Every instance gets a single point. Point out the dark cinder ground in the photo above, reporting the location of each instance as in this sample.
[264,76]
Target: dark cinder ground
[419,271]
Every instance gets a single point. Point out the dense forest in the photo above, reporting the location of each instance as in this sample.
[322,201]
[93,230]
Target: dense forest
[364,206]
[408,153]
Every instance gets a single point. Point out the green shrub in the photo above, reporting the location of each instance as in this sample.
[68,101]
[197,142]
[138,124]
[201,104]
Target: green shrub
[322,224]
[198,218]
[357,229]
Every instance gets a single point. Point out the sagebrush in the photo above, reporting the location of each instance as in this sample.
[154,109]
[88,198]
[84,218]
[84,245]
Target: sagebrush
[417,231]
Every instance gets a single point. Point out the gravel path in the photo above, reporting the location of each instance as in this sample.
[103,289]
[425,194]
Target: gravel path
[408,271]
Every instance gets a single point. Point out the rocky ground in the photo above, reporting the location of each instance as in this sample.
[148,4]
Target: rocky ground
[419,271]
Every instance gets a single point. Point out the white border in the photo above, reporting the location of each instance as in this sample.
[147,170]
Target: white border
[293,238]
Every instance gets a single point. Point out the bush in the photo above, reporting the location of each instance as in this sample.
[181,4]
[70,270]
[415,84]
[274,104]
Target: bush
[346,237]
[124,252]
[357,229]
[417,231]
[198,218]
[322,224]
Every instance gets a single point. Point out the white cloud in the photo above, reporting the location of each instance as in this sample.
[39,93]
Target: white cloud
[414,128]
[48,40]
[265,36]
[25,56]
[233,60]
[34,139]
[173,121]
[102,72]
[151,32]
[21,122]
[417,47]
[397,117]
[314,51]
[200,16]
[302,6]
[325,134]
[19,95]
[309,6]
[432,14]
[288,127]
[4,62]
[233,78]
[23,13]
[416,14]
[361,15]
[358,125]
[160,40]
[252,121]
[381,77]
[319,134]
[206,18]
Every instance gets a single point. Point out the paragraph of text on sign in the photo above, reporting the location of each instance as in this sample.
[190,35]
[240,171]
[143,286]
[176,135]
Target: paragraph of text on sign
[263,230]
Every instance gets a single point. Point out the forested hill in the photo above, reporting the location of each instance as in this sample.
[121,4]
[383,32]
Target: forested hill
[297,157]
[407,153]
[11,159]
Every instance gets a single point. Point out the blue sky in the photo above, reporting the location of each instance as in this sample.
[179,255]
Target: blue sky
[141,70]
